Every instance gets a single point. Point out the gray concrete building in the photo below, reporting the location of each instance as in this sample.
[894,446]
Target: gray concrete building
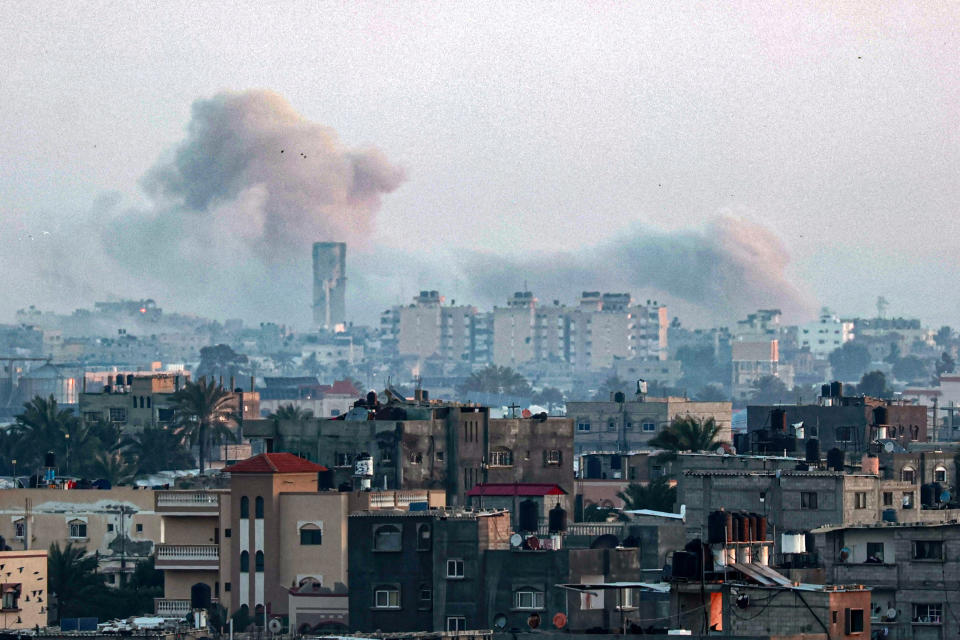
[329,285]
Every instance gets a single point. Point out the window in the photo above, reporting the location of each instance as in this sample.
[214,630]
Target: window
[908,499]
[649,427]
[455,568]
[109,528]
[843,434]
[423,537]
[888,498]
[149,403]
[139,528]
[386,537]
[227,586]
[583,426]
[553,456]
[343,460]
[438,455]
[387,598]
[111,578]
[20,528]
[834,616]
[940,474]
[808,500]
[456,623]
[11,596]
[92,416]
[310,534]
[258,508]
[528,598]
[259,562]
[875,552]
[426,597]
[860,500]
[928,612]
[244,562]
[927,550]
[244,507]
[227,533]
[907,474]
[611,425]
[118,414]
[853,621]
[78,529]
[501,458]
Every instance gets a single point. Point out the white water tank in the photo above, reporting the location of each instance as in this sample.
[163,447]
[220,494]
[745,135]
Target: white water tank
[793,543]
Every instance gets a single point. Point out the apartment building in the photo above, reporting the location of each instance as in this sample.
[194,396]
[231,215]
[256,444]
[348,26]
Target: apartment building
[23,601]
[912,569]
[629,425]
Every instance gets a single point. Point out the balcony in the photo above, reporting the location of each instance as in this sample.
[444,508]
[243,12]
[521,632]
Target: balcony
[396,499]
[174,608]
[187,503]
[194,557]
[588,529]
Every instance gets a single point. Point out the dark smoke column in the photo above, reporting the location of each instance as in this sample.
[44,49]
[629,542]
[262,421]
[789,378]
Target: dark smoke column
[330,285]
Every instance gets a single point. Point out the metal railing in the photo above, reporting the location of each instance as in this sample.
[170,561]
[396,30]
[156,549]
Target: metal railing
[196,552]
[593,529]
[187,499]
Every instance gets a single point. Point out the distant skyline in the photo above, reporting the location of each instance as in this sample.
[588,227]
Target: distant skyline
[718,157]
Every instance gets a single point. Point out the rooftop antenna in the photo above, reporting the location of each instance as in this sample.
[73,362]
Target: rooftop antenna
[882,305]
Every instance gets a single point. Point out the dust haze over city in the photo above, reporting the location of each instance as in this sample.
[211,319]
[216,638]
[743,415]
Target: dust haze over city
[499,318]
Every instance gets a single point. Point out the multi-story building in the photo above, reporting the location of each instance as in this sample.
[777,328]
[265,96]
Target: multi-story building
[912,569]
[630,425]
[825,335]
[329,285]
[24,602]
[514,328]
[754,359]
[420,445]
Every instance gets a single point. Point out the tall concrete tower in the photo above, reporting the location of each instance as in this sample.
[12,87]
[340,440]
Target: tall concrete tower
[329,285]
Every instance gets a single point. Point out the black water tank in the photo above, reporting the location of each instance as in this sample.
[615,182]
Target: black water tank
[835,459]
[879,416]
[618,397]
[557,519]
[813,450]
[528,517]
[372,399]
[836,389]
[824,391]
[325,480]
[200,596]
[716,522]
[119,380]
[129,379]
[778,420]
[50,460]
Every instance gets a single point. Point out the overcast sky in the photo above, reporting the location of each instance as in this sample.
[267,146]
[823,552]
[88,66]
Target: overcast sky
[827,132]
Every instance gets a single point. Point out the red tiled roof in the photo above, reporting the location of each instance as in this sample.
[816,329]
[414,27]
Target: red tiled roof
[516,489]
[275,463]
[342,387]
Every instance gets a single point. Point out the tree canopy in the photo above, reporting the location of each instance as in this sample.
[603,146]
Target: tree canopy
[657,495]
[688,434]
[494,379]
[850,361]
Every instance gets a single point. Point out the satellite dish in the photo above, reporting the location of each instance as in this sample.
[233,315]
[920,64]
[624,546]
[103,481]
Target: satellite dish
[533,542]
[891,614]
[275,625]
[516,540]
[500,621]
[888,446]
[721,451]
[560,620]
[526,413]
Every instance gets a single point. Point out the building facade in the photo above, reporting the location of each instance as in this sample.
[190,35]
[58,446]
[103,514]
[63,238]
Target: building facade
[330,285]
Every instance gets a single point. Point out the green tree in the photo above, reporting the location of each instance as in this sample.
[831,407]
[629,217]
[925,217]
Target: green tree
[712,393]
[943,337]
[41,427]
[494,379]
[204,413]
[290,412]
[909,369]
[73,578]
[548,397]
[769,390]
[285,362]
[850,361]
[688,434]
[114,468]
[657,495]
[874,384]
[610,386]
[220,361]
[596,513]
[946,364]
[156,449]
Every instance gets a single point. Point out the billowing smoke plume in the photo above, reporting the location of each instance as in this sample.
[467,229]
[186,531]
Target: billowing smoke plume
[729,268]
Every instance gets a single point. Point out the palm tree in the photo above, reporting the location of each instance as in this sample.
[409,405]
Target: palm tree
[657,495]
[205,413]
[73,578]
[42,427]
[156,449]
[113,468]
[688,434]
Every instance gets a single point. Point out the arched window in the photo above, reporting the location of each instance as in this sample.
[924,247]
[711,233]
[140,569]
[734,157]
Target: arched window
[907,474]
[259,508]
[259,562]
[244,507]
[501,457]
[940,474]
[311,534]
[423,537]
[244,562]
[386,537]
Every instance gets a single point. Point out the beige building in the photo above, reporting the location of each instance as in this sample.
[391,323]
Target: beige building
[428,329]
[24,589]
[513,330]
[752,360]
[119,525]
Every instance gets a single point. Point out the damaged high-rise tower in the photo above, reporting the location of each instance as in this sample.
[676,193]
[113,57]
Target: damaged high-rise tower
[329,285]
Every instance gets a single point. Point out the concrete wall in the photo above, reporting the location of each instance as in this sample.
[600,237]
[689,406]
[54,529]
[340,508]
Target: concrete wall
[26,573]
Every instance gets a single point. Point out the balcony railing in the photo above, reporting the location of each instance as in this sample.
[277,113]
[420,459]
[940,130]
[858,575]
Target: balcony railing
[396,499]
[188,499]
[172,607]
[592,529]
[187,554]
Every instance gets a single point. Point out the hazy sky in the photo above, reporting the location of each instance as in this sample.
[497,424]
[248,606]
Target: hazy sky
[818,141]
